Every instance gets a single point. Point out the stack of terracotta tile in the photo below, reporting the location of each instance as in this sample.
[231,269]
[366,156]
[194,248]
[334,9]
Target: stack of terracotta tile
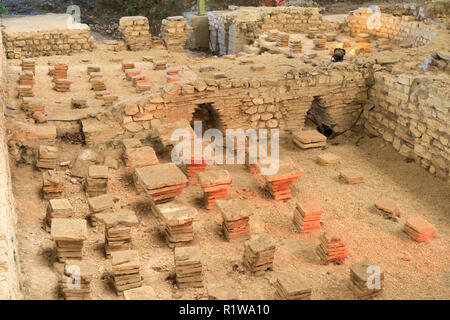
[135,157]
[387,208]
[53,185]
[272,35]
[177,223]
[25,91]
[60,71]
[278,185]
[282,39]
[161,182]
[109,99]
[75,283]
[236,218]
[97,180]
[69,236]
[142,87]
[26,78]
[28,65]
[307,216]
[117,229]
[62,85]
[98,84]
[419,229]
[363,282]
[79,103]
[292,287]
[215,185]
[100,94]
[259,253]
[126,270]
[295,46]
[31,104]
[130,73]
[331,249]
[93,68]
[140,78]
[194,163]
[99,204]
[350,176]
[159,65]
[57,208]
[93,75]
[319,42]
[127,65]
[307,139]
[188,267]
[173,75]
[47,157]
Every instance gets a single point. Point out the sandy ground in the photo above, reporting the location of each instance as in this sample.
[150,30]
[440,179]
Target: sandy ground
[412,270]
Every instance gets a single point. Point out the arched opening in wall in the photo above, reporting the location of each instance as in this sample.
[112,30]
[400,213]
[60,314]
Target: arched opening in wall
[318,118]
[208,116]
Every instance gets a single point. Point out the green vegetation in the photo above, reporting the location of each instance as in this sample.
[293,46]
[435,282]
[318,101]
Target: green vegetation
[3,11]
[152,14]
[130,11]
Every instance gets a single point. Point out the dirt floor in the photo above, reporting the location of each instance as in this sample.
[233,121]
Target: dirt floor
[412,270]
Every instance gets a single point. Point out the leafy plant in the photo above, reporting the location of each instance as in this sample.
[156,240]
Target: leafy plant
[163,14]
[3,11]
[130,11]
[152,13]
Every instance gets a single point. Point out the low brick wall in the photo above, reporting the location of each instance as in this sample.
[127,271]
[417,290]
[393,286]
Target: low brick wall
[256,103]
[135,31]
[9,284]
[64,40]
[175,33]
[230,31]
[412,113]
[403,28]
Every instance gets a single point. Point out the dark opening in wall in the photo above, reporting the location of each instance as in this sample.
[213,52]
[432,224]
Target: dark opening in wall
[318,116]
[209,117]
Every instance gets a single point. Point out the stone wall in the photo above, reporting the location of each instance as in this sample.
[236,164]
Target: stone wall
[9,284]
[411,113]
[66,40]
[175,33]
[231,30]
[135,31]
[398,28]
[256,103]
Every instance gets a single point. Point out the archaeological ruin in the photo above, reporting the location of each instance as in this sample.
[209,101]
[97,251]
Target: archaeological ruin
[356,110]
